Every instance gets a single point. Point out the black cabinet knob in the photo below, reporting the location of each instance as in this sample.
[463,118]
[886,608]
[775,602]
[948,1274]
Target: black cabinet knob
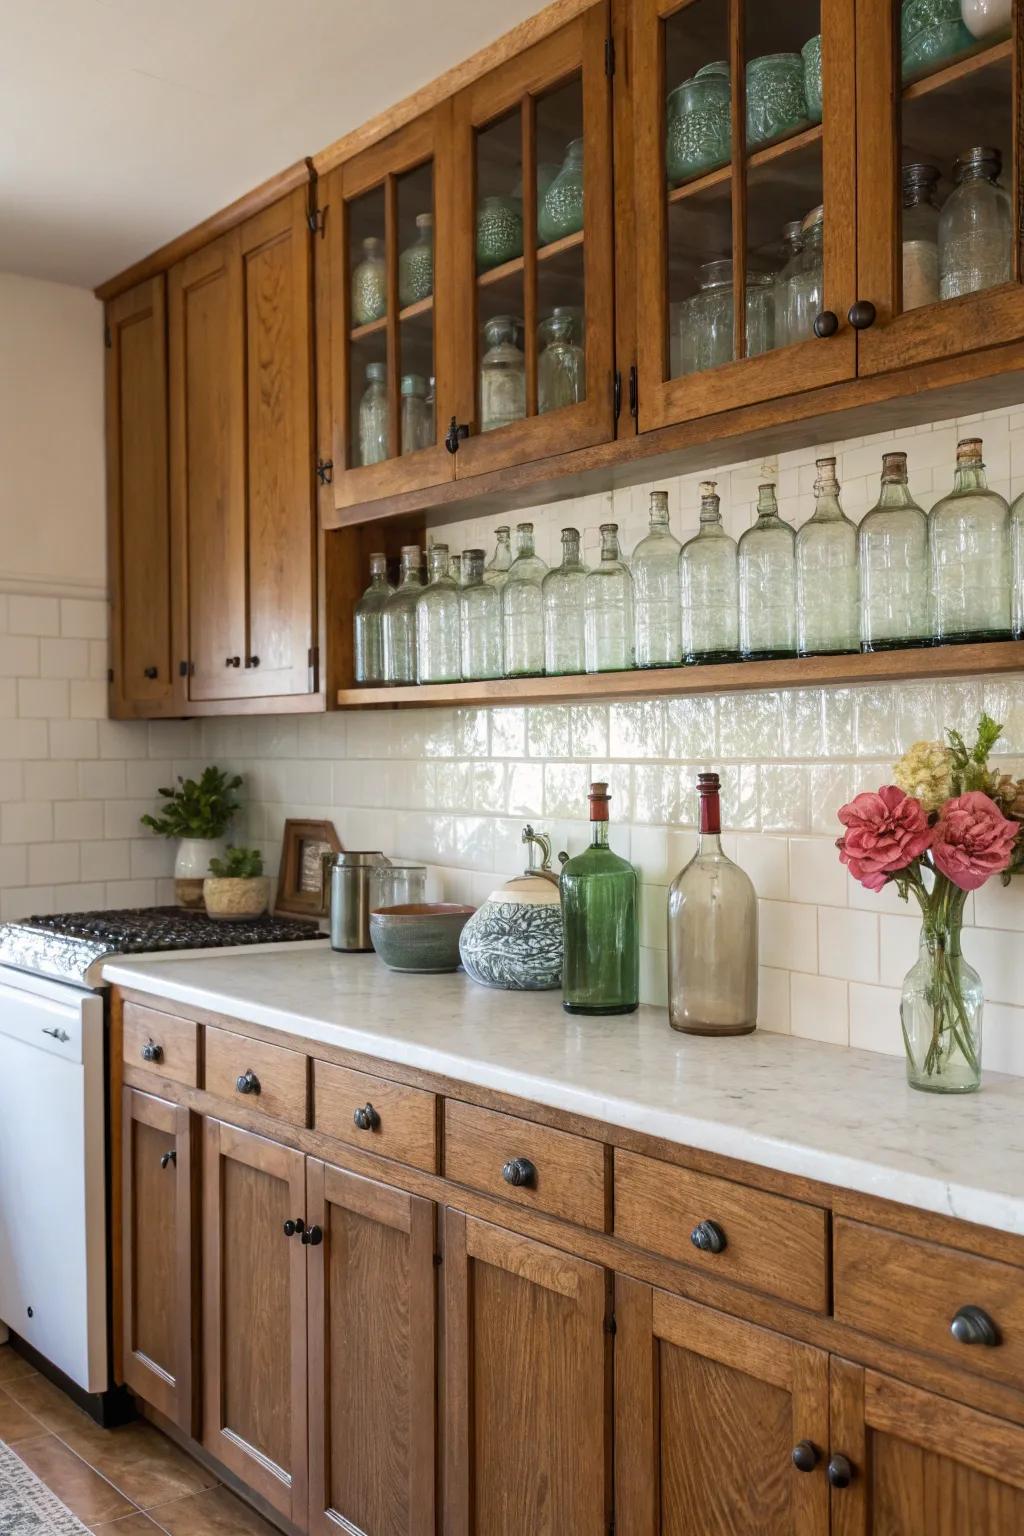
[152,1052]
[150,672]
[972,1325]
[456,434]
[313,1236]
[232,661]
[252,661]
[167,1158]
[805,1456]
[840,1472]
[291,1227]
[366,1119]
[826,324]
[519,1172]
[708,1237]
[247,1082]
[862,314]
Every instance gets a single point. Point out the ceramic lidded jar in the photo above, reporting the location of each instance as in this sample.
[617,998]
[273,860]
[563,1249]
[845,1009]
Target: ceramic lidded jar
[514,940]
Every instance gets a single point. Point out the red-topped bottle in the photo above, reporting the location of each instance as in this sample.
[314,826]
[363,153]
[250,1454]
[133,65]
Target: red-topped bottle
[712,934]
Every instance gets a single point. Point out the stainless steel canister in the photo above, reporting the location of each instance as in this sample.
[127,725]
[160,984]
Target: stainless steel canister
[348,874]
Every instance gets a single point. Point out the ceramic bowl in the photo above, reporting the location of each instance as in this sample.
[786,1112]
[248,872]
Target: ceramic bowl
[422,937]
[234,900]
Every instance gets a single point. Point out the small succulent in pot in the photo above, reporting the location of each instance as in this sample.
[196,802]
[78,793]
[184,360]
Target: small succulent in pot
[198,813]
[236,886]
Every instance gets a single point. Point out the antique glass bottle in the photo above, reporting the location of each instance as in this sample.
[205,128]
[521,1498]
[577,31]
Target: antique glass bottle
[370,284]
[502,375]
[563,593]
[561,374]
[708,587]
[479,619]
[455,569]
[920,236]
[827,596]
[498,566]
[608,608]
[522,609]
[975,227]
[416,264]
[655,566]
[767,583]
[374,416]
[601,967]
[417,417]
[969,548]
[399,626]
[712,934]
[806,283]
[438,658]
[793,242]
[1017,565]
[369,623]
[893,565]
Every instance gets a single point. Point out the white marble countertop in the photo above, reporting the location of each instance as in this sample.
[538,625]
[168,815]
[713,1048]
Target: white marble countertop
[841,1116]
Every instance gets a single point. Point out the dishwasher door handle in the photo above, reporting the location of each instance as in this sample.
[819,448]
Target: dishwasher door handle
[58,1034]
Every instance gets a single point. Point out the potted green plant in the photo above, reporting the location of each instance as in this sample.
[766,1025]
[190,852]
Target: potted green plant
[198,813]
[236,886]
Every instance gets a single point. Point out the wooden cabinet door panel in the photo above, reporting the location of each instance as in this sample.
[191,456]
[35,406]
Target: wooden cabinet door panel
[371,1357]
[138,515]
[158,1244]
[922,1466]
[708,1409]
[527,1360]
[254,1314]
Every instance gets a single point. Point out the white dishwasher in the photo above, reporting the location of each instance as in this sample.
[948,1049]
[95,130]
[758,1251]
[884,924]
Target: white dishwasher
[53,1222]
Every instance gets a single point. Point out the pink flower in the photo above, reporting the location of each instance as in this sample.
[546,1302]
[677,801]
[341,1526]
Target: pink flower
[885,832]
[973,840]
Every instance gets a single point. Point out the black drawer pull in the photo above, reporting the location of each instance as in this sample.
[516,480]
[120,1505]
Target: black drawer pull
[366,1119]
[806,1456]
[313,1236]
[291,1227]
[167,1158]
[708,1237]
[826,324]
[972,1325]
[247,1082]
[152,1052]
[840,1472]
[520,1173]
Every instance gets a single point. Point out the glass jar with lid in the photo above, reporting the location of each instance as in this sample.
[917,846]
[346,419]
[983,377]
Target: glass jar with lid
[969,549]
[707,339]
[767,583]
[920,235]
[522,609]
[563,593]
[561,376]
[502,375]
[561,209]
[699,124]
[438,624]
[792,244]
[416,264]
[399,623]
[374,416]
[708,587]
[975,227]
[417,418]
[608,608]
[480,619]
[369,623]
[370,284]
[806,283]
[655,568]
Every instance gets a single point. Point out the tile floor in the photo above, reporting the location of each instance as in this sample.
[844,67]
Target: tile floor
[131,1481]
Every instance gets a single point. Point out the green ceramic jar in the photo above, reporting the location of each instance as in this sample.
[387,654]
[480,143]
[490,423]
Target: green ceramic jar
[561,209]
[776,101]
[811,55]
[499,231]
[931,31]
[416,264]
[699,124]
[370,284]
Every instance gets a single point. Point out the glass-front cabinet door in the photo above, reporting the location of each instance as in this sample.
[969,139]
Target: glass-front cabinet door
[939,178]
[389,301]
[533,252]
[744,144]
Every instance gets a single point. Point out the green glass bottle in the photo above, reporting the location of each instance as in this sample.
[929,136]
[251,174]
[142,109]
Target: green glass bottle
[601,969]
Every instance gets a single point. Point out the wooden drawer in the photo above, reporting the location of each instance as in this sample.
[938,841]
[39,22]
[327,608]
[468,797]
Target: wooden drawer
[909,1291]
[277,1078]
[394,1121]
[770,1243]
[565,1174]
[171,1044]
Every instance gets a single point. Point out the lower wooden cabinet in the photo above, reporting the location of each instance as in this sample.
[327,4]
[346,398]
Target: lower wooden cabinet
[527,1376]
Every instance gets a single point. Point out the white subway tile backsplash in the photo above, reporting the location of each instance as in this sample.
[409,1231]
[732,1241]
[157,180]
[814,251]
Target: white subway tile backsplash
[819,1009]
[875,1019]
[788,935]
[26,821]
[815,873]
[84,618]
[68,738]
[66,659]
[19,656]
[773,1011]
[33,615]
[848,944]
[766,861]
[52,863]
[43,698]
[899,941]
[637,730]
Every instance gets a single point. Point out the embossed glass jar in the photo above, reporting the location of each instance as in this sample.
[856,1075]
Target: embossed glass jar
[776,100]
[655,567]
[793,242]
[370,284]
[561,375]
[499,231]
[975,227]
[805,285]
[502,376]
[920,236]
[416,264]
[811,55]
[930,31]
[369,623]
[561,208]
[374,416]
[706,320]
[699,124]
[417,417]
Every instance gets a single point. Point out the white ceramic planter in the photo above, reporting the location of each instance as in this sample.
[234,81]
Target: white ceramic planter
[192,865]
[987,18]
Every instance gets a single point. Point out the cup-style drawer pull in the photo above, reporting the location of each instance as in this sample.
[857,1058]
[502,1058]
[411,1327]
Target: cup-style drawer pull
[972,1325]
[806,1456]
[708,1237]
[840,1472]
[366,1119]
[152,1052]
[519,1172]
[247,1082]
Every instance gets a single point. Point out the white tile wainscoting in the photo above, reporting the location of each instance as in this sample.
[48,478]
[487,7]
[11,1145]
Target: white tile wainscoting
[453,788]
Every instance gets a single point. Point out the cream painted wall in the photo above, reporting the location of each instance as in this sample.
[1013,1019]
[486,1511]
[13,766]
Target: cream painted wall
[51,436]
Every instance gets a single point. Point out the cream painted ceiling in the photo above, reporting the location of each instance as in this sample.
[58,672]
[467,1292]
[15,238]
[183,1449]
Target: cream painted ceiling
[124,122]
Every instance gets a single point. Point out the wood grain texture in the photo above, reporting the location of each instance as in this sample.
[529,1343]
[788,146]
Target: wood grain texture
[407,1128]
[283,1074]
[877,1271]
[775,1245]
[570,1171]
[177,1038]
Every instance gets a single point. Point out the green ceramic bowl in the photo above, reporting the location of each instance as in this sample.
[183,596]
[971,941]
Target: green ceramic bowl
[423,938]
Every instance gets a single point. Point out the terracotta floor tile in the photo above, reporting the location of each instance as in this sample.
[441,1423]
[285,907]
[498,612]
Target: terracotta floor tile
[13,1365]
[16,1423]
[141,1462]
[214,1513]
[48,1403]
[84,1492]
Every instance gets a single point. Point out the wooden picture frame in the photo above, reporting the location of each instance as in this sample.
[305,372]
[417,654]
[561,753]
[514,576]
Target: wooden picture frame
[301,889]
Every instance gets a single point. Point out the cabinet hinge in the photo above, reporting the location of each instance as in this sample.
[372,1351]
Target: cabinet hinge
[108,340]
[610,1325]
[325,471]
[185,669]
[634,393]
[617,393]
[609,56]
[316,219]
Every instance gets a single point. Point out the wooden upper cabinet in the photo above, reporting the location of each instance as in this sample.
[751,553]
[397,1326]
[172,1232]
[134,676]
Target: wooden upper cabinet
[523,138]
[527,1374]
[712,209]
[242,458]
[138,520]
[914,114]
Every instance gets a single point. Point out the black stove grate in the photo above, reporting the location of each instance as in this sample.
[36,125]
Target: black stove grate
[140,930]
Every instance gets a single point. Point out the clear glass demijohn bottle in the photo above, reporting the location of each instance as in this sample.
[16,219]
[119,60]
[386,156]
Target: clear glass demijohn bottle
[563,593]
[893,565]
[708,587]
[369,623]
[608,608]
[975,227]
[399,625]
[561,376]
[1017,565]
[438,658]
[498,566]
[827,595]
[522,609]
[655,567]
[480,620]
[969,547]
[767,582]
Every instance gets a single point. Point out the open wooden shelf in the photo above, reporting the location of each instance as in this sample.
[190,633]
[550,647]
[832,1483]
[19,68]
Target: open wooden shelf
[793,672]
[959,69]
[410,312]
[543,253]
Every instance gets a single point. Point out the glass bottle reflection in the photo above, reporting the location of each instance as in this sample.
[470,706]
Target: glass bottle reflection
[564,626]
[969,548]
[522,609]
[893,564]
[399,626]
[608,608]
[708,585]
[827,606]
[480,620]
[438,623]
[767,583]
[369,623]
[655,568]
